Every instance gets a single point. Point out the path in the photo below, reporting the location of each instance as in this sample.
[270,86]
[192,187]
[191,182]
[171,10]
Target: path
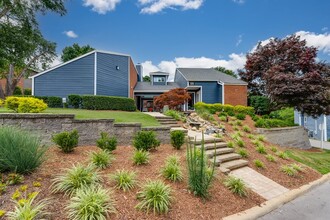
[317,143]
[313,205]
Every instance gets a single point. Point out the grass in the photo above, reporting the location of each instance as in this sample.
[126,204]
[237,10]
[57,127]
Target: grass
[119,116]
[124,179]
[236,186]
[319,161]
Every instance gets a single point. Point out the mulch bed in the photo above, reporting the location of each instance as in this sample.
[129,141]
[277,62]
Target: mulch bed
[184,206]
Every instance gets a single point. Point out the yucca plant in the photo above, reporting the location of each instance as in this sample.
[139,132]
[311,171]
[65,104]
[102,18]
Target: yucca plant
[243,153]
[288,170]
[270,158]
[75,178]
[236,186]
[29,209]
[124,179]
[198,178]
[155,196]
[282,155]
[172,171]
[140,157]
[91,202]
[102,159]
[261,149]
[259,164]
[246,129]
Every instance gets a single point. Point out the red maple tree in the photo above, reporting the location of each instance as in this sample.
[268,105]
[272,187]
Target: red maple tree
[173,98]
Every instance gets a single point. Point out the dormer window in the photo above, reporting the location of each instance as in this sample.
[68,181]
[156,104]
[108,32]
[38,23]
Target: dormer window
[159,78]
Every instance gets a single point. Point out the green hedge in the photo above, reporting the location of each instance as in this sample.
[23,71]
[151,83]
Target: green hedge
[107,103]
[261,104]
[213,108]
[272,123]
[51,101]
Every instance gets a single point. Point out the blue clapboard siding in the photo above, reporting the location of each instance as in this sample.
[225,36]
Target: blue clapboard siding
[212,92]
[76,77]
[111,81]
[180,80]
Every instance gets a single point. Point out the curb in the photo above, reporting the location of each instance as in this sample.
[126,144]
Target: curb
[268,206]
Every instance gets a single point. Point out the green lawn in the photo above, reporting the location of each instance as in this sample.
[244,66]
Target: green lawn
[320,161]
[119,116]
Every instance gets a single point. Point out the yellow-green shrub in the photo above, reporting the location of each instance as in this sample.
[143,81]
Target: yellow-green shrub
[217,107]
[1,102]
[25,104]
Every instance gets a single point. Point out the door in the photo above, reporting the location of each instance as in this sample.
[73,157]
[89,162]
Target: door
[191,102]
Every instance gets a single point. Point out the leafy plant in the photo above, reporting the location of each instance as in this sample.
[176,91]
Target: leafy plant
[156,196]
[297,167]
[75,100]
[91,203]
[270,158]
[238,123]
[247,129]
[145,140]
[261,138]
[101,159]
[75,178]
[236,128]
[230,144]
[125,180]
[14,178]
[282,155]
[107,143]
[172,170]
[261,149]
[273,148]
[235,137]
[140,157]
[66,141]
[257,143]
[198,178]
[243,153]
[288,170]
[223,118]
[259,164]
[25,104]
[2,212]
[177,139]
[231,123]
[3,188]
[240,143]
[36,184]
[250,136]
[236,186]
[20,151]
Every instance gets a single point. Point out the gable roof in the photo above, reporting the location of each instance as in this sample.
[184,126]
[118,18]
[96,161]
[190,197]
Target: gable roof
[77,58]
[209,74]
[147,87]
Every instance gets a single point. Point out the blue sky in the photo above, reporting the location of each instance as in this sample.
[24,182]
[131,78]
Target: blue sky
[164,34]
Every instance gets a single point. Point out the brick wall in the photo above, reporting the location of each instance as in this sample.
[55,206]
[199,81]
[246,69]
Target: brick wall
[133,78]
[236,95]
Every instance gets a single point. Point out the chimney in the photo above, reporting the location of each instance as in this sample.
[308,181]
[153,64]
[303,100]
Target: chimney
[139,69]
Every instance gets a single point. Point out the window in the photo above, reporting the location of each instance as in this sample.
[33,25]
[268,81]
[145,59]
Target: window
[159,79]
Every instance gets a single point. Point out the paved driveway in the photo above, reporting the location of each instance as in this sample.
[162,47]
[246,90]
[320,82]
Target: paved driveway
[314,205]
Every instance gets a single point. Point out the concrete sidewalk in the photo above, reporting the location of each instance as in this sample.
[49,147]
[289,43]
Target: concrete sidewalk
[317,143]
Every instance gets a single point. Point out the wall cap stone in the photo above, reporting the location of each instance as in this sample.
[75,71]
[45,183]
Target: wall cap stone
[34,115]
[160,128]
[127,125]
[278,129]
[92,120]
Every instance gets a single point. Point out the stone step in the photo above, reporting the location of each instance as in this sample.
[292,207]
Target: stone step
[180,129]
[165,119]
[172,125]
[167,122]
[211,153]
[217,145]
[234,164]
[219,159]
[206,141]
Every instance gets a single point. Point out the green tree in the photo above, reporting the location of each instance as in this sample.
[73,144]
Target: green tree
[226,71]
[71,52]
[146,79]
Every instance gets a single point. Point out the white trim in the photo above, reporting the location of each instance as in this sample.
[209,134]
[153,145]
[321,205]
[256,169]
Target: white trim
[95,73]
[181,74]
[129,77]
[242,84]
[223,91]
[32,86]
[112,53]
[325,128]
[300,119]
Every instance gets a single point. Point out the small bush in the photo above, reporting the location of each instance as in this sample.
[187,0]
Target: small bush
[51,101]
[246,129]
[243,153]
[140,157]
[261,138]
[270,158]
[172,170]
[156,196]
[91,203]
[240,143]
[236,128]
[177,139]
[240,116]
[14,178]
[288,170]
[239,134]
[236,186]
[231,123]
[250,136]
[274,149]
[27,91]
[145,140]
[238,123]
[256,143]
[297,167]
[235,137]
[178,116]
[125,180]
[101,159]
[17,91]
[223,118]
[66,141]
[230,144]
[2,213]
[259,164]
[75,100]
[282,155]
[261,149]
[231,113]
[95,102]
[1,102]
[107,143]
[25,104]
[20,151]
[75,178]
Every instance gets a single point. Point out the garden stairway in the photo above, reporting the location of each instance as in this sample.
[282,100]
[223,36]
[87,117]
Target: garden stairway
[168,121]
[215,148]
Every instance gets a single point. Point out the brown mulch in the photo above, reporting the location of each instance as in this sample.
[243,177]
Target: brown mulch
[272,170]
[184,206]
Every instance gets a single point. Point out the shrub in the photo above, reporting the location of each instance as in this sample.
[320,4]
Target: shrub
[17,91]
[261,138]
[243,153]
[270,158]
[74,100]
[236,128]
[107,143]
[25,104]
[230,144]
[145,140]
[101,159]
[297,167]
[285,114]
[246,110]
[20,151]
[175,114]
[29,209]
[91,203]
[238,123]
[240,143]
[239,134]
[236,186]
[256,143]
[235,137]
[250,136]
[140,157]
[198,177]
[66,141]
[75,178]
[94,102]
[282,155]
[177,139]
[261,149]
[14,178]
[261,104]
[274,149]
[288,170]
[271,123]
[51,101]
[156,196]
[2,213]
[223,118]
[1,102]
[240,116]
[27,91]
[259,164]
[172,170]
[246,129]
[125,180]
[231,113]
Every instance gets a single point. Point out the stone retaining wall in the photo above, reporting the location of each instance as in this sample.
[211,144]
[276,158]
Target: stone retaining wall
[287,137]
[45,125]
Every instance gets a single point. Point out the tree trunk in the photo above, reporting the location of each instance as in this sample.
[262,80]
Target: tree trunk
[2,94]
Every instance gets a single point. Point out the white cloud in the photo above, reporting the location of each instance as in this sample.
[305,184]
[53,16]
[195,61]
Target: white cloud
[235,62]
[102,6]
[320,41]
[239,1]
[70,34]
[325,29]
[239,40]
[155,6]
